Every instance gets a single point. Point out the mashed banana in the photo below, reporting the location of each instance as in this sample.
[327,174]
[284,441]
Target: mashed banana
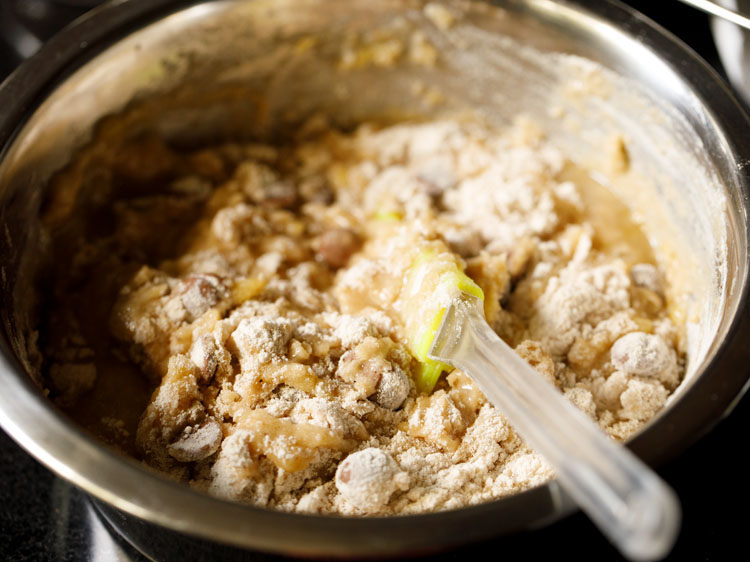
[254,292]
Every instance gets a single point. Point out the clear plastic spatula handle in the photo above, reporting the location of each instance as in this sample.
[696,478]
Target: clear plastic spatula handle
[629,503]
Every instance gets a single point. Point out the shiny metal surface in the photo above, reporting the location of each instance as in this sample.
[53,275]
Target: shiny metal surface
[720,12]
[221,68]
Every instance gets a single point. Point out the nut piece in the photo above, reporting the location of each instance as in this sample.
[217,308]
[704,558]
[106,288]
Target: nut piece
[392,387]
[197,442]
[336,246]
[203,354]
[641,354]
[199,293]
[368,478]
[373,375]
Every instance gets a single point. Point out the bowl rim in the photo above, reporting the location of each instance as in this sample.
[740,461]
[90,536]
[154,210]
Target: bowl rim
[60,445]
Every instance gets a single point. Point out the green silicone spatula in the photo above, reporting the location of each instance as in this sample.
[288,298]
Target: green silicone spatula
[629,503]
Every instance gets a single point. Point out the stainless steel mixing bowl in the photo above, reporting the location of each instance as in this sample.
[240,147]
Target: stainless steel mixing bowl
[195,72]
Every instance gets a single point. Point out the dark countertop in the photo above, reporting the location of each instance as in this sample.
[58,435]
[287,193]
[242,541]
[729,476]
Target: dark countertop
[44,518]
